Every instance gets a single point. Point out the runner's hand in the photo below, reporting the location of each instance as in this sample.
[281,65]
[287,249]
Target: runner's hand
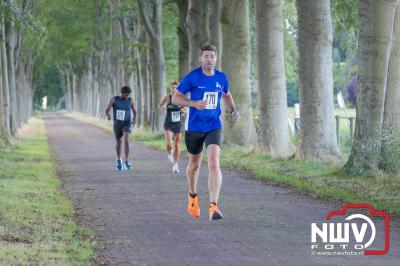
[199,105]
[235,116]
[108,116]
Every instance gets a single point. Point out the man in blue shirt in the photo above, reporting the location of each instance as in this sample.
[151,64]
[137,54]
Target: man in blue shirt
[201,91]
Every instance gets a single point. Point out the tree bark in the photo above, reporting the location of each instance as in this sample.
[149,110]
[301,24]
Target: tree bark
[391,115]
[236,63]
[2,100]
[183,55]
[197,22]
[317,133]
[5,84]
[142,52]
[10,47]
[151,15]
[375,42]
[215,31]
[274,131]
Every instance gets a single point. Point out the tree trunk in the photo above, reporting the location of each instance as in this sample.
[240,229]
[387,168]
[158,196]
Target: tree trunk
[183,55]
[374,46]
[236,63]
[75,92]
[198,31]
[5,85]
[318,135]
[142,65]
[69,100]
[391,115]
[274,130]
[10,47]
[96,87]
[151,15]
[215,27]
[2,100]
[139,99]
[2,110]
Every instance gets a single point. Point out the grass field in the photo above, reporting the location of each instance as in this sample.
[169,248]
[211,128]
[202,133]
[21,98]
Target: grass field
[316,179]
[36,219]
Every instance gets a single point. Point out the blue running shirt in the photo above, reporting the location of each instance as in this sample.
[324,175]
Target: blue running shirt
[122,109]
[199,86]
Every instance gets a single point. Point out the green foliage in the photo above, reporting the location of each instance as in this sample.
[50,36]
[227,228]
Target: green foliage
[13,12]
[70,26]
[49,84]
[382,151]
[390,151]
[345,15]
[170,41]
[290,46]
[292,93]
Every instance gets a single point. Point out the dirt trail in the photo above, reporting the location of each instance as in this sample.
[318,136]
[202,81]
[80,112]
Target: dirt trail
[141,217]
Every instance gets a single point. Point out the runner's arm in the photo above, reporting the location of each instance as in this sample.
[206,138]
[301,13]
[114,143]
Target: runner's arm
[228,100]
[183,110]
[110,104]
[162,102]
[180,99]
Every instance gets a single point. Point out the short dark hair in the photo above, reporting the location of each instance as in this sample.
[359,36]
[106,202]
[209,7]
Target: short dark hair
[208,47]
[126,89]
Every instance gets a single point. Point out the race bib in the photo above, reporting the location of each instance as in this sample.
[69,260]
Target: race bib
[176,116]
[120,115]
[212,99]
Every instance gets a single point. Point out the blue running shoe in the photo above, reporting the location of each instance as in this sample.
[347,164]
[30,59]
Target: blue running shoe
[119,165]
[128,165]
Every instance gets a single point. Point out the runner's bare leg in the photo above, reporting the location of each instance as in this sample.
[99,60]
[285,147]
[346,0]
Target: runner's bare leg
[126,144]
[214,172]
[192,171]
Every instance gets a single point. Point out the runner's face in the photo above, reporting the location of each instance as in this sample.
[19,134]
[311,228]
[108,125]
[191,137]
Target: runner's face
[125,95]
[173,88]
[208,60]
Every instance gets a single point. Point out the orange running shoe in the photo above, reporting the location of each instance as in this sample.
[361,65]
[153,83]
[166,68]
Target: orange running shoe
[193,206]
[214,212]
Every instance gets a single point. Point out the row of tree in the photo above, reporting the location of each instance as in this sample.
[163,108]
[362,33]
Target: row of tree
[16,66]
[98,46]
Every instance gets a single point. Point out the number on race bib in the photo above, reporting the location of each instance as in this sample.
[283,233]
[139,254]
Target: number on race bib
[176,116]
[120,115]
[212,99]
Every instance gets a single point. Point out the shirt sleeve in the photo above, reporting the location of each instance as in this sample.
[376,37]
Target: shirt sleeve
[185,86]
[226,87]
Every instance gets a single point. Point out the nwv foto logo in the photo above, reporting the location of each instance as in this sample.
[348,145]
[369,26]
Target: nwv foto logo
[356,232]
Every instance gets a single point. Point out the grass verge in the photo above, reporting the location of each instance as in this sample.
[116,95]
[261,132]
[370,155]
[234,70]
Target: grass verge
[316,179]
[36,219]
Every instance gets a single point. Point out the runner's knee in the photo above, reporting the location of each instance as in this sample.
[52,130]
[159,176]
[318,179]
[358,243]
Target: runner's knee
[126,137]
[194,166]
[213,165]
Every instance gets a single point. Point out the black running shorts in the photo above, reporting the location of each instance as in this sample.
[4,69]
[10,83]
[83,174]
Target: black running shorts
[121,127]
[195,140]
